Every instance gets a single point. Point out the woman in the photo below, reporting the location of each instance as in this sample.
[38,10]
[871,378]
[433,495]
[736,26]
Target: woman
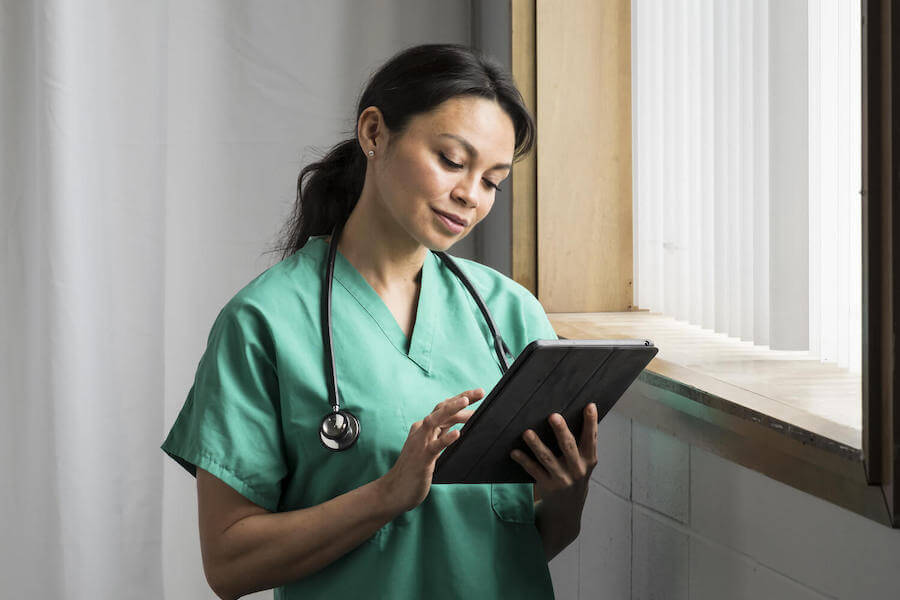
[437,129]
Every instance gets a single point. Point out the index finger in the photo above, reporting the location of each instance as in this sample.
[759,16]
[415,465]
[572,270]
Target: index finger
[455,404]
[471,396]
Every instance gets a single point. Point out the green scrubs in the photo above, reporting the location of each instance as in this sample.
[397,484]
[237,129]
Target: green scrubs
[252,419]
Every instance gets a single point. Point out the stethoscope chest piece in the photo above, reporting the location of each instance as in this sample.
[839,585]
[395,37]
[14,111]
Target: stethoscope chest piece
[339,430]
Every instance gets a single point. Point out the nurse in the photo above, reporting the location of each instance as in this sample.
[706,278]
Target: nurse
[437,129]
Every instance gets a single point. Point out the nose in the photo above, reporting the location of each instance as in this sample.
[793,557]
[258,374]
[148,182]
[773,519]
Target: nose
[467,195]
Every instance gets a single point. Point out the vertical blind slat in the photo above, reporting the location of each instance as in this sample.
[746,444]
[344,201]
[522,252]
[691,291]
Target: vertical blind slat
[854,301]
[761,173]
[709,180]
[815,175]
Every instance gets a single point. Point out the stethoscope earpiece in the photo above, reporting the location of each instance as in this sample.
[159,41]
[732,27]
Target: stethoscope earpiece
[339,430]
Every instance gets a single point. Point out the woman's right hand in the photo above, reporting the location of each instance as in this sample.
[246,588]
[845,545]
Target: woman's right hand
[407,483]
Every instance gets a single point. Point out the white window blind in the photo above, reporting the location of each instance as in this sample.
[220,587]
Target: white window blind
[747,173]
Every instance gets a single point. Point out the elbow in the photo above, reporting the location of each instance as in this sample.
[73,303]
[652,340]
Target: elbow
[219,584]
[221,572]
[223,593]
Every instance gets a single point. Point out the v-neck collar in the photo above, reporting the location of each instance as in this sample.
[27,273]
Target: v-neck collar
[417,349]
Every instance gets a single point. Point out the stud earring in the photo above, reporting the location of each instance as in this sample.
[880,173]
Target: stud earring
[371,153]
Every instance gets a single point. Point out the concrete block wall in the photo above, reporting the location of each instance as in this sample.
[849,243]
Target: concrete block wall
[666,520]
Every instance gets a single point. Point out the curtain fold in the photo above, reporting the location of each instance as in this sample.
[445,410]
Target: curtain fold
[84,170]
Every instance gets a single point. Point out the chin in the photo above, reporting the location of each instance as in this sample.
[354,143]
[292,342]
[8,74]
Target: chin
[442,243]
[436,240]
[440,246]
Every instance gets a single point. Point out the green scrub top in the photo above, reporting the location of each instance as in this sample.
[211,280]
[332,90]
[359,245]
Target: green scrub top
[252,418]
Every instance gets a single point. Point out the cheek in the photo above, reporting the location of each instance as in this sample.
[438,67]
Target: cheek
[409,194]
[433,181]
[484,208]
[423,181]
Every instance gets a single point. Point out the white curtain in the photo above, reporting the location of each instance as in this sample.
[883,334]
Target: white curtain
[149,155]
[747,172]
[83,189]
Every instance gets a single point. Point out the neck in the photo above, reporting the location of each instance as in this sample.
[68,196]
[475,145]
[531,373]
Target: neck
[380,249]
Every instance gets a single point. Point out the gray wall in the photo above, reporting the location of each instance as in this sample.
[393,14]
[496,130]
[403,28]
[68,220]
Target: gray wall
[667,520]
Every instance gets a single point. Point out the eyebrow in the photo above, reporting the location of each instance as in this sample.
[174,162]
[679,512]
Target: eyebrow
[471,149]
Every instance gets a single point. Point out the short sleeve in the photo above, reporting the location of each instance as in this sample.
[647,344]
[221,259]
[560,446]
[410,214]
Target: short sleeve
[539,327]
[230,423]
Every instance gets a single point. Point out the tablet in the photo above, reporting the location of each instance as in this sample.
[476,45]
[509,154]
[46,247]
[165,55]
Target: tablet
[548,376]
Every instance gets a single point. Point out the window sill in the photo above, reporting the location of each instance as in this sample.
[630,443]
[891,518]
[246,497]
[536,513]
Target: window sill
[783,414]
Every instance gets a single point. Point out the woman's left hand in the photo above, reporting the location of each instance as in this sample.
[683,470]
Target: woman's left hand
[561,482]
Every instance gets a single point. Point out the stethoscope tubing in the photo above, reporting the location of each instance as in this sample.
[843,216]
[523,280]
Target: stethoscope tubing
[340,428]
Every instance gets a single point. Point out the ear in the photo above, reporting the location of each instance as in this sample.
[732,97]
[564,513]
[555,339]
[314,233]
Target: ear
[371,130]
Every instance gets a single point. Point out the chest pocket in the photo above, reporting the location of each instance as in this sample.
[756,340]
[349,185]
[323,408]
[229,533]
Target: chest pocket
[513,502]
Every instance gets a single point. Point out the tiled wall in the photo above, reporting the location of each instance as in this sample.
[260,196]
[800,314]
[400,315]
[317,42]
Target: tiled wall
[666,520]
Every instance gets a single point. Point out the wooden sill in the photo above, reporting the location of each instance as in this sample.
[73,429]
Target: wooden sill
[783,414]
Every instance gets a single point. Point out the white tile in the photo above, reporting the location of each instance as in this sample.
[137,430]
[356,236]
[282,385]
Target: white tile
[660,565]
[605,546]
[827,548]
[660,472]
[564,572]
[614,454]
[718,573]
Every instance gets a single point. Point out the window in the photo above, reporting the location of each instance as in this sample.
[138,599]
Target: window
[575,212]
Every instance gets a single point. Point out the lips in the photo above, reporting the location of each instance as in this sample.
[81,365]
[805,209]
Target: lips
[452,217]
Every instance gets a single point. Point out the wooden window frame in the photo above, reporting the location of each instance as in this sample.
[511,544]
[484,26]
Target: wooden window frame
[726,431]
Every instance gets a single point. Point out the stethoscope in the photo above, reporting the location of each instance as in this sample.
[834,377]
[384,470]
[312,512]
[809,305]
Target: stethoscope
[340,428]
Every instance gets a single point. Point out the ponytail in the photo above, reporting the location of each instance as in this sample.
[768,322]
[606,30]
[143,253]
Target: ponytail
[327,192]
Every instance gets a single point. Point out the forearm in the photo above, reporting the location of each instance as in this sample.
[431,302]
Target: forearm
[558,528]
[264,551]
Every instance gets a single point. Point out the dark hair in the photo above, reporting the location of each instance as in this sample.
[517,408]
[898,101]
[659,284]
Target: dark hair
[413,81]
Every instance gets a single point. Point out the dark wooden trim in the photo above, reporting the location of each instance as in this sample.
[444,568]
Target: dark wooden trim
[891,271]
[881,250]
[871,395]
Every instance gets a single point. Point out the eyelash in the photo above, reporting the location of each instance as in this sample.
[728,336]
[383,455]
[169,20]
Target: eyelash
[456,166]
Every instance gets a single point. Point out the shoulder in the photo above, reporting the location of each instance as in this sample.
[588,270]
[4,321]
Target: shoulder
[520,315]
[276,294]
[504,294]
[491,283]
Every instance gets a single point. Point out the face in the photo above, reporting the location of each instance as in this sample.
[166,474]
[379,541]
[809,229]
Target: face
[448,161]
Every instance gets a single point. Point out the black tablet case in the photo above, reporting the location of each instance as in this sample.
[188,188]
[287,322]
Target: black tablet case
[548,376]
